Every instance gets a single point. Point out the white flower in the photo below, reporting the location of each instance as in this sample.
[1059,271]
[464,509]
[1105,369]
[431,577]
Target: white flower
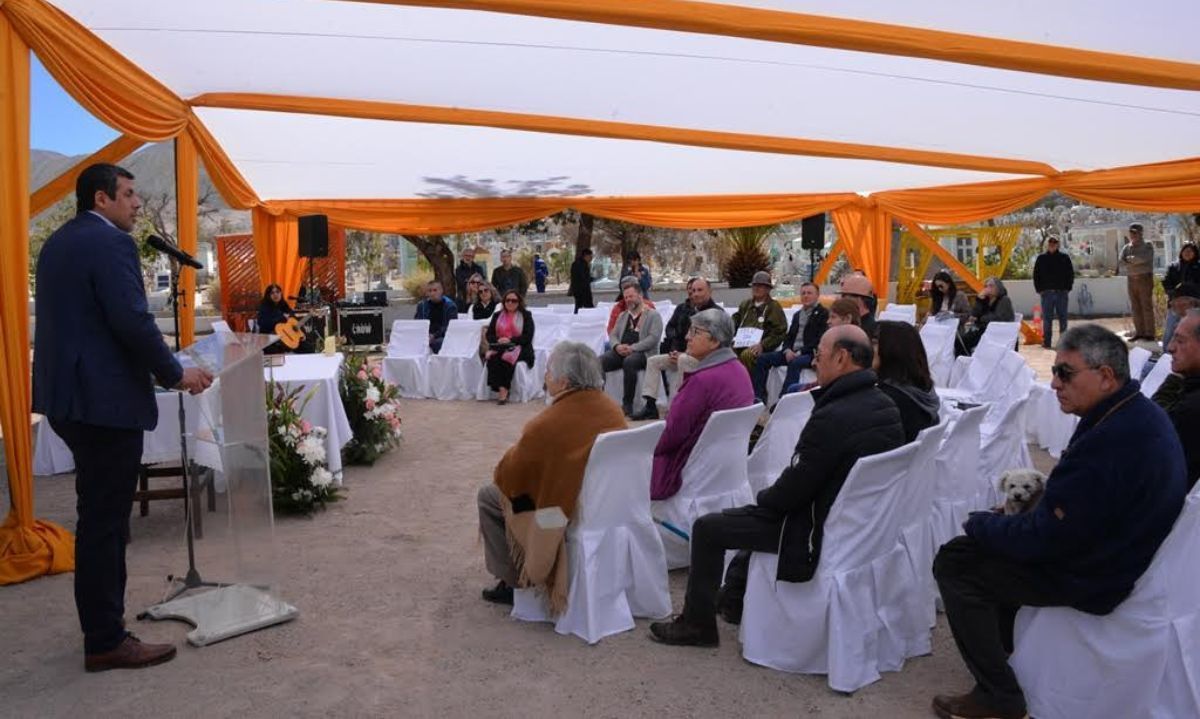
[321,478]
[311,450]
[373,394]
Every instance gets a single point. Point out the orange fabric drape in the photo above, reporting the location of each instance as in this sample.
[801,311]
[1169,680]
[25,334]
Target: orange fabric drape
[64,184]
[187,196]
[865,232]
[277,250]
[28,547]
[847,34]
[376,110]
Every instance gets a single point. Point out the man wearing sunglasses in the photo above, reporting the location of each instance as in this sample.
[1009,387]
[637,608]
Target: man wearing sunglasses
[1108,504]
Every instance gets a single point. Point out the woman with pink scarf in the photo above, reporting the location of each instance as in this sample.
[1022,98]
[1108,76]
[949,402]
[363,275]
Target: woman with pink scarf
[510,340]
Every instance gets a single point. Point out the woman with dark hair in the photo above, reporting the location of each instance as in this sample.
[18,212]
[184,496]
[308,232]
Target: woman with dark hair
[510,340]
[1185,271]
[484,303]
[903,373]
[992,304]
[272,310]
[945,299]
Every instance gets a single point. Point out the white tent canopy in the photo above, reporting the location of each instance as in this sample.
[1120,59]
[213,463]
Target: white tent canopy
[451,58]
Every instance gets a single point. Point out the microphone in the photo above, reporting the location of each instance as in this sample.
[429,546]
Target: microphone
[173,252]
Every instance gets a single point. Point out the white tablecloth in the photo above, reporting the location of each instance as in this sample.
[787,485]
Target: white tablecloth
[51,455]
[325,408]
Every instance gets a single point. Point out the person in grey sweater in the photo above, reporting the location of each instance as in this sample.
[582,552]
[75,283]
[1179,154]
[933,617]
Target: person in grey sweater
[636,334]
[1137,262]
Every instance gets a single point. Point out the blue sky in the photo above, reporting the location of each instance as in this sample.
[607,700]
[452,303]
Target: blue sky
[57,122]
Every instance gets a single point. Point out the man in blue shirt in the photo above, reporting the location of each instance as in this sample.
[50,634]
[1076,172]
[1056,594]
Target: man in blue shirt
[1106,509]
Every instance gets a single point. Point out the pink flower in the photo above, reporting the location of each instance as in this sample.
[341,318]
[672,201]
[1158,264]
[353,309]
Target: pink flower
[370,404]
[362,374]
[394,422]
[376,372]
[305,426]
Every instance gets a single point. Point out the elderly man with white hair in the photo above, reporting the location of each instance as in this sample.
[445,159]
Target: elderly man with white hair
[545,469]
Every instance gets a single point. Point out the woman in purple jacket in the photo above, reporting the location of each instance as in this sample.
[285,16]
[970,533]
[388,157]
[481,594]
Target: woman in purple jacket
[719,382]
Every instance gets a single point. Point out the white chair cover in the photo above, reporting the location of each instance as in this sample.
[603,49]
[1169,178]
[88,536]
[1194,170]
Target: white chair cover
[221,326]
[714,478]
[407,362]
[589,331]
[938,340]
[1137,361]
[899,313]
[856,617]
[1001,333]
[1140,661]
[955,468]
[1158,375]
[617,570]
[777,443]
[916,535]
[454,372]
[1001,450]
[527,384]
[562,309]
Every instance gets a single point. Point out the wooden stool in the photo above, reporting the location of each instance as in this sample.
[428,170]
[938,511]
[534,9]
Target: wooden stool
[201,481]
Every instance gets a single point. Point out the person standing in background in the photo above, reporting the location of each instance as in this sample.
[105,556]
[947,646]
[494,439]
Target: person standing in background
[1053,277]
[540,271]
[462,276]
[581,280]
[1137,261]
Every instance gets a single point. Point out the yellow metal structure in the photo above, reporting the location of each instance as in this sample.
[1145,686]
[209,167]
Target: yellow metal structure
[990,246]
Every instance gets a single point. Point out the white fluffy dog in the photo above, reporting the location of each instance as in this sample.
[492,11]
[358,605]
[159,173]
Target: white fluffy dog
[1022,489]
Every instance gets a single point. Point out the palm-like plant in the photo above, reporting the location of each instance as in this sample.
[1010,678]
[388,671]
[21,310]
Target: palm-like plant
[747,254]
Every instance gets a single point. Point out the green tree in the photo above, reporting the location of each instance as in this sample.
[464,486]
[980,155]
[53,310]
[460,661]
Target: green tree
[560,264]
[366,252]
[747,253]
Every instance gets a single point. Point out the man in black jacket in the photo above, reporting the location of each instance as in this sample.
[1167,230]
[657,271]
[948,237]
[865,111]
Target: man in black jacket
[1185,411]
[804,332]
[581,280]
[466,267]
[673,350]
[852,419]
[1053,277]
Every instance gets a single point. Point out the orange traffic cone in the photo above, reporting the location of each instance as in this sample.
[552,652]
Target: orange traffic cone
[1032,330]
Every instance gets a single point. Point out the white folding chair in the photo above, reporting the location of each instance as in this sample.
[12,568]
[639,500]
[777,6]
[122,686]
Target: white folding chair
[955,468]
[864,608]
[406,364]
[617,567]
[588,331]
[562,309]
[777,443]
[1002,449]
[1138,661]
[899,313]
[1158,375]
[916,534]
[1001,333]
[1137,361]
[938,340]
[714,478]
[455,371]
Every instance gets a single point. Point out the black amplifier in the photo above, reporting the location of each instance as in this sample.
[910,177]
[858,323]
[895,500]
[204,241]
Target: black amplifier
[362,327]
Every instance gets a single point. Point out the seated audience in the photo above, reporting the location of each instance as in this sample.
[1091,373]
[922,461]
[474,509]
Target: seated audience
[1185,271]
[808,324]
[851,419]
[945,300]
[857,287]
[1183,298]
[439,310]
[636,334]
[510,340]
[1104,513]
[718,382]
[486,301]
[619,306]
[472,293]
[545,469]
[843,311]
[1185,410]
[673,357]
[991,305]
[903,372]
[634,268]
[762,313]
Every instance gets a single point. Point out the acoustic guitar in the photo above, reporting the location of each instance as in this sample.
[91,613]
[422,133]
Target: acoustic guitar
[290,333]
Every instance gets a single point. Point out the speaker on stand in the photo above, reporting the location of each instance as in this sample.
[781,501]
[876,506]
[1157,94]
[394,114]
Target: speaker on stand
[313,233]
[812,238]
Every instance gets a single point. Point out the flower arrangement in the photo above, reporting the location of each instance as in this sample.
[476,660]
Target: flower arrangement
[373,408]
[300,479]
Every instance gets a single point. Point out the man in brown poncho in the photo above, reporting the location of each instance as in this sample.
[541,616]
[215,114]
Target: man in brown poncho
[537,482]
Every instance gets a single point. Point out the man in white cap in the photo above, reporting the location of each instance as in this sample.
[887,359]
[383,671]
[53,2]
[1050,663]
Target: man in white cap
[760,313]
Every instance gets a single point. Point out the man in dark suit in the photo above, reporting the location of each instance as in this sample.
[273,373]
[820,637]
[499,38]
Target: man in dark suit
[808,325]
[95,349]
[581,280]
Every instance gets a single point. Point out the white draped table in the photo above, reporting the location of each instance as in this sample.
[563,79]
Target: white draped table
[324,409]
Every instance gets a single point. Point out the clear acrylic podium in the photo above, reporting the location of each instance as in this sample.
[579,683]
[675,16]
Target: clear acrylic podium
[239,552]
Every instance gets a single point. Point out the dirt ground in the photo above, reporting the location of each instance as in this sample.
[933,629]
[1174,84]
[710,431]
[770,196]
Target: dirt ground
[391,624]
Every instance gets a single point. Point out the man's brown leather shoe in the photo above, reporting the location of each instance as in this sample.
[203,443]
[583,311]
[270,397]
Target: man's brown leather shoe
[971,706]
[131,653]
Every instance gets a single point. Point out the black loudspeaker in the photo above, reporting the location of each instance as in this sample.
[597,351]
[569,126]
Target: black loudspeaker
[362,328]
[314,236]
[812,232]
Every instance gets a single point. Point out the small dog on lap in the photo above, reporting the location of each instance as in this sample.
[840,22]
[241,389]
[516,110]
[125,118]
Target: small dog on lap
[1022,490]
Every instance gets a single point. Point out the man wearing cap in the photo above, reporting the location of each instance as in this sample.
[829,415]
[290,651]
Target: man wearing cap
[858,288]
[1137,261]
[1053,277]
[763,313]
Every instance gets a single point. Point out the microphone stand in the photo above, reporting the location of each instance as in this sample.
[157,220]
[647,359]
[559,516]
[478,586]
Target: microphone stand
[192,579]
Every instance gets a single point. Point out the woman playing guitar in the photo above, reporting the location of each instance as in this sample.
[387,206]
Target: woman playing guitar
[275,316]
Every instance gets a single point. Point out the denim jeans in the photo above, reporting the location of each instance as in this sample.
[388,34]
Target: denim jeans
[1054,303]
[770,360]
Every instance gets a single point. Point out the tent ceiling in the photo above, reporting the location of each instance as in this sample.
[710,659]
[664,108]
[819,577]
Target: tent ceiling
[458,58]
